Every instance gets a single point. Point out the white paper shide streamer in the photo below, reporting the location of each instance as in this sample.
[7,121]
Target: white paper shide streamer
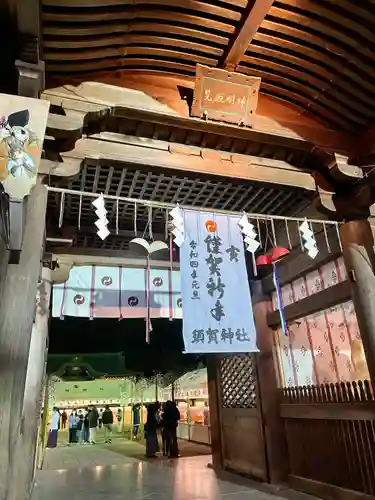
[102,221]
[250,238]
[309,241]
[177,225]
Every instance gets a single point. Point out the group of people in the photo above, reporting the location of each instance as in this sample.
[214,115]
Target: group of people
[165,419]
[82,425]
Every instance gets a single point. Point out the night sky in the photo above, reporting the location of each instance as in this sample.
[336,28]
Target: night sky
[163,354]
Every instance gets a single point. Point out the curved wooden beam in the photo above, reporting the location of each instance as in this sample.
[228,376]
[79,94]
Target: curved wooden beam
[242,39]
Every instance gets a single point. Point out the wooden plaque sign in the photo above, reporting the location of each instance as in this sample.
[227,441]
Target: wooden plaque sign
[225,96]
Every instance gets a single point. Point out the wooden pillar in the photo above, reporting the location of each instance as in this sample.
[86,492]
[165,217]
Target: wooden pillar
[4,259]
[44,423]
[358,251]
[17,313]
[269,389]
[32,405]
[215,425]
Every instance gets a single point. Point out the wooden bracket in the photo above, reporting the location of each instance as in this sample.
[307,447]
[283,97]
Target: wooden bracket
[31,80]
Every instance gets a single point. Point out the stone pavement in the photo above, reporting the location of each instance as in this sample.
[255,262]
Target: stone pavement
[95,472]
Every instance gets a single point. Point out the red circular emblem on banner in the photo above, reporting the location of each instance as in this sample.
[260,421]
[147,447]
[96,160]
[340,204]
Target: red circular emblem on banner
[157,281]
[210,226]
[79,299]
[107,281]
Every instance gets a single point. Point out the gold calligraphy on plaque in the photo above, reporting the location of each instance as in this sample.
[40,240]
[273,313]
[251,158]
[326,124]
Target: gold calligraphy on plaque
[225,96]
[232,99]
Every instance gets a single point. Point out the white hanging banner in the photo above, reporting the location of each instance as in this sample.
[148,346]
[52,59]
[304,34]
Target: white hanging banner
[176,299]
[117,292]
[106,286]
[77,294]
[217,309]
[159,293]
[133,293]
[58,298]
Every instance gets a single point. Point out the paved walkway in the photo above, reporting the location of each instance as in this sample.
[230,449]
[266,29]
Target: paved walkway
[101,473]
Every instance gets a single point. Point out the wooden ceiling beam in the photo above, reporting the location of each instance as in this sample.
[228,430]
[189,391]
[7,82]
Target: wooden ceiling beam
[79,257]
[245,34]
[265,130]
[192,159]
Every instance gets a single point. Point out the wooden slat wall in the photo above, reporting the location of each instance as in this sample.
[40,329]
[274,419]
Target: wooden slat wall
[330,431]
[320,347]
[327,403]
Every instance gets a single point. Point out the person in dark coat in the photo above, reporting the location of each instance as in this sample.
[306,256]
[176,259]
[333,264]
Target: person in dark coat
[93,423]
[79,426]
[107,421]
[151,427]
[136,419]
[64,418]
[86,426]
[73,422]
[170,418]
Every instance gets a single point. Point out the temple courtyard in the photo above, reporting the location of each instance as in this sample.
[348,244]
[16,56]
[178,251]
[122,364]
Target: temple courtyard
[120,470]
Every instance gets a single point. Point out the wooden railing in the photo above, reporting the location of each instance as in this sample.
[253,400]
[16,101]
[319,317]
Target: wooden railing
[330,430]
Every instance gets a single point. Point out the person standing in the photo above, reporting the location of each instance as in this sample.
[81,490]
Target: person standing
[93,424]
[85,432]
[170,418]
[136,420]
[152,444]
[54,429]
[100,418]
[73,424]
[107,420]
[119,419]
[64,418]
[79,426]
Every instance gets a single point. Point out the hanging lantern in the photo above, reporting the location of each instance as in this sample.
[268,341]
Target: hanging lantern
[263,260]
[278,253]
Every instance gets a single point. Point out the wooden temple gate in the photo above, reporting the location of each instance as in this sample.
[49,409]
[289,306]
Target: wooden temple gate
[240,416]
[128,118]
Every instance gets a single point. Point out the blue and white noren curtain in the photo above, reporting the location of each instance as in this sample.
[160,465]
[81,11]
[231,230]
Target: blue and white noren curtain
[117,292]
[217,310]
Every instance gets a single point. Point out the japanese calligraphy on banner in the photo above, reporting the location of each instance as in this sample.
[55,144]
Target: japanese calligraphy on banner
[117,292]
[217,310]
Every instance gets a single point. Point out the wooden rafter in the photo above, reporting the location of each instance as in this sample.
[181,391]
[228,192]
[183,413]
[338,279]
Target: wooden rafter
[365,145]
[246,32]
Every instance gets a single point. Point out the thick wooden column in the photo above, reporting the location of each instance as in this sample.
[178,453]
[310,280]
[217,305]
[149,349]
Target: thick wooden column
[215,425]
[269,388]
[4,259]
[358,251]
[32,404]
[17,313]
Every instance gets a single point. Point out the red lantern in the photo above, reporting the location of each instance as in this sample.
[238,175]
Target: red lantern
[278,254]
[263,260]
